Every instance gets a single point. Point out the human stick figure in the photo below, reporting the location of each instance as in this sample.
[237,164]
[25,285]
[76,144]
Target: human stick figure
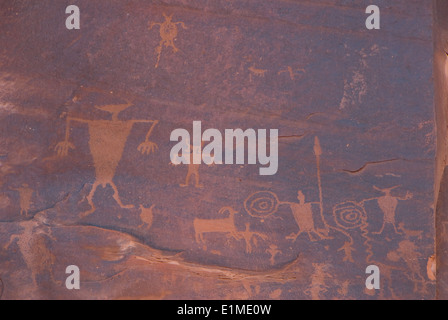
[193,169]
[273,251]
[347,248]
[318,284]
[107,139]
[168,33]
[25,194]
[351,215]
[250,236]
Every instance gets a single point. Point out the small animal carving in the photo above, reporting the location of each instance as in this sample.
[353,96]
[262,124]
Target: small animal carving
[168,33]
[256,72]
[410,233]
[291,72]
[147,216]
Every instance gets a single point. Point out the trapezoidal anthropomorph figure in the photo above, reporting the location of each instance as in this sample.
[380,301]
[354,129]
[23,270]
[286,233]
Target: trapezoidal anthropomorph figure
[107,139]
[388,205]
[168,33]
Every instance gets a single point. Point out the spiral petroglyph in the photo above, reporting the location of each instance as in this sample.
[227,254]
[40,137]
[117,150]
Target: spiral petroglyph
[261,204]
[349,215]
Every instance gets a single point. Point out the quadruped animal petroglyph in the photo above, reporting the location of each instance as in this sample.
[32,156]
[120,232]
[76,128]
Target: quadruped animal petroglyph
[223,225]
[292,72]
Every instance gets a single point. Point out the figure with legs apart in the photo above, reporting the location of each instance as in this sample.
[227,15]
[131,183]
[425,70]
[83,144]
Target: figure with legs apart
[107,139]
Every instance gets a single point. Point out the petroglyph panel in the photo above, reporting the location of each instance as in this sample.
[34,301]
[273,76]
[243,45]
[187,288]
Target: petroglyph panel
[85,171]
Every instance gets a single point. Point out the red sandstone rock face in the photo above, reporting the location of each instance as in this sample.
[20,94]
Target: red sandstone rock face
[85,175]
[441,76]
